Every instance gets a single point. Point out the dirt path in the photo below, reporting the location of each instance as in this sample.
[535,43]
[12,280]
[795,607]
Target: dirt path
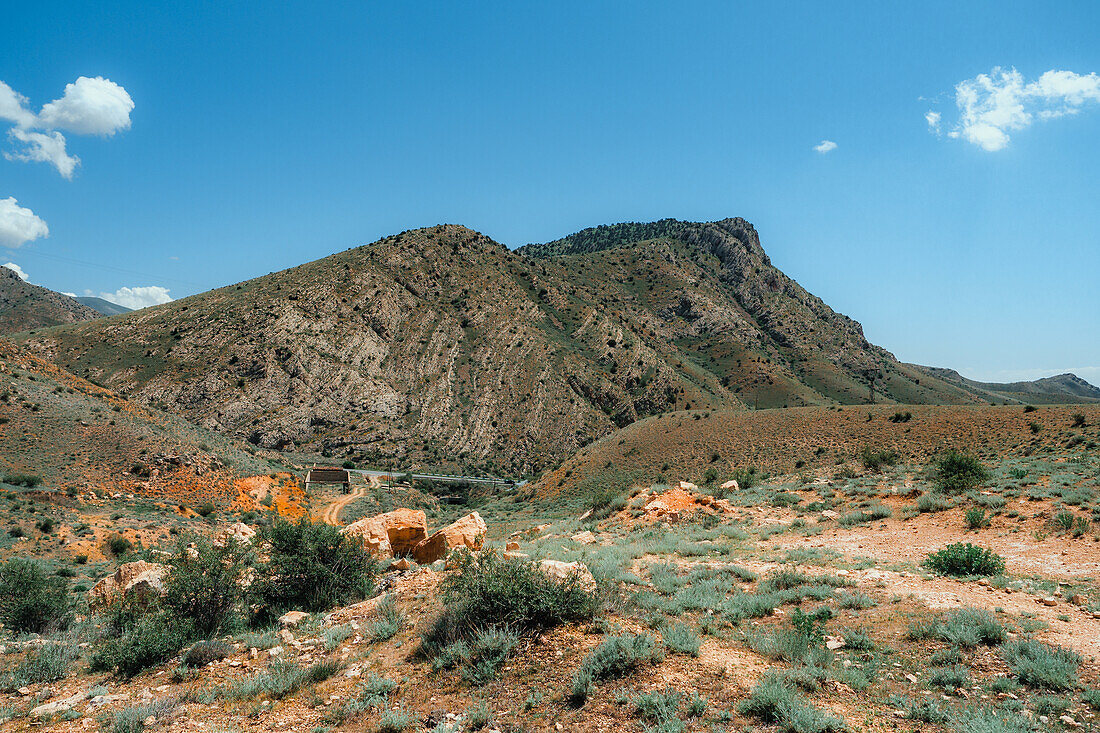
[331,513]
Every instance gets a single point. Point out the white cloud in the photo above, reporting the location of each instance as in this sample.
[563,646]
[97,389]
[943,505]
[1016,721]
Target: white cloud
[825,146]
[933,120]
[89,106]
[45,148]
[19,225]
[995,104]
[141,296]
[17,270]
[13,106]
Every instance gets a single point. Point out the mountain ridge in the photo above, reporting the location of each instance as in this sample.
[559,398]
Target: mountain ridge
[440,345]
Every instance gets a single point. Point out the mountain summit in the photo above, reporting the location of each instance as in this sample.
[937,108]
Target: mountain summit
[440,345]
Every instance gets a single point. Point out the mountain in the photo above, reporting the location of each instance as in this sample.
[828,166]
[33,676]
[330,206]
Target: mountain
[103,307]
[441,346]
[24,306]
[1057,390]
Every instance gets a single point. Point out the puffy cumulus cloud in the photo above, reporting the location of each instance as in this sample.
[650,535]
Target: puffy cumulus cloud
[17,270]
[19,225]
[89,106]
[43,147]
[993,105]
[825,146]
[136,297]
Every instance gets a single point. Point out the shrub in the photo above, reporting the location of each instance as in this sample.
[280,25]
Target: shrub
[490,591]
[857,601]
[991,720]
[139,639]
[206,585]
[312,567]
[954,472]
[976,518]
[1042,665]
[30,600]
[926,711]
[47,663]
[22,479]
[969,627]
[395,720]
[614,657]
[280,679]
[949,678]
[963,559]
[657,706]
[118,545]
[205,510]
[487,653]
[875,460]
[132,719]
[681,639]
[1079,420]
[206,651]
[929,503]
[773,701]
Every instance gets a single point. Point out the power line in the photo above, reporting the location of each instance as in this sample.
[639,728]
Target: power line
[73,260]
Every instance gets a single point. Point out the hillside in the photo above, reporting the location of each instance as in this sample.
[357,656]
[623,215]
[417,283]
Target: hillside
[442,346]
[24,306]
[103,307]
[817,440]
[1059,389]
[68,432]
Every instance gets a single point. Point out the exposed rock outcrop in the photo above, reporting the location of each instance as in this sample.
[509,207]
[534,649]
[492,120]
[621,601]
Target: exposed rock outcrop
[468,532]
[138,581]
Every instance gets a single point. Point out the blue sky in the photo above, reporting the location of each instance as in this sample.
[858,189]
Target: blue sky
[266,135]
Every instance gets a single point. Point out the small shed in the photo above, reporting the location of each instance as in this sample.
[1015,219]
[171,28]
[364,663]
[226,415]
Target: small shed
[326,475]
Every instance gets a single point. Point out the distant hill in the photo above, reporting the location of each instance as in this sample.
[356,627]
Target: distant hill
[441,346]
[24,306]
[103,307]
[1060,389]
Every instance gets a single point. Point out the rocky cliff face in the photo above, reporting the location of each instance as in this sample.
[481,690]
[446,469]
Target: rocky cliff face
[24,306]
[440,345]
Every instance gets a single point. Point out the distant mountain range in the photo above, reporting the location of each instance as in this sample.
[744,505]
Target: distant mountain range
[440,345]
[1060,389]
[103,307]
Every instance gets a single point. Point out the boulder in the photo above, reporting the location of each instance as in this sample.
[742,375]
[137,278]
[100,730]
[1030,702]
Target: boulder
[584,538]
[468,532]
[372,534]
[559,570]
[239,533]
[512,546]
[731,485]
[291,619]
[391,534]
[140,581]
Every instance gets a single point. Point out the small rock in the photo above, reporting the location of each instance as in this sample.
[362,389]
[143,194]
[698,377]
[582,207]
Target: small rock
[1049,601]
[1069,721]
[511,546]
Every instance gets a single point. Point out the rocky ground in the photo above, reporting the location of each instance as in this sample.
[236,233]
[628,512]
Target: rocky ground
[814,585]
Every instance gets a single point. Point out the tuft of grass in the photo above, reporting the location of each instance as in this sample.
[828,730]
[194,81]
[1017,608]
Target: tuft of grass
[1044,666]
[774,702]
[680,639]
[132,719]
[614,657]
[487,653]
[388,620]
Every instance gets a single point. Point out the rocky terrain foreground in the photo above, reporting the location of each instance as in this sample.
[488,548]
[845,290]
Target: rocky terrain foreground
[946,593]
